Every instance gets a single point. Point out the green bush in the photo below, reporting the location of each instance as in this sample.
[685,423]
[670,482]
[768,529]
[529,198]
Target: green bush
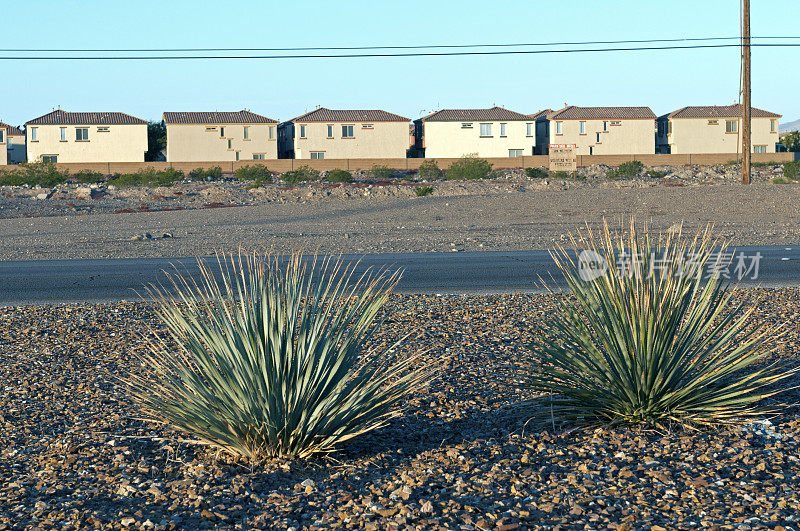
[430,171]
[652,341]
[381,173]
[44,174]
[537,173]
[655,174]
[470,167]
[256,172]
[780,180]
[791,170]
[422,191]
[626,170]
[271,359]
[566,175]
[339,176]
[206,174]
[147,177]
[88,177]
[301,174]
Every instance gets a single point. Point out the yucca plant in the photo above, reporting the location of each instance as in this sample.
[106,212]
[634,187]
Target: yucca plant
[266,359]
[648,338]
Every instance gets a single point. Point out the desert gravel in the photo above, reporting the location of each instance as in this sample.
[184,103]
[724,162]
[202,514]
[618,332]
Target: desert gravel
[76,455]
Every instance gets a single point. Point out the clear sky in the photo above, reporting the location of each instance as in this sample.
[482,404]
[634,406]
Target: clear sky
[283,89]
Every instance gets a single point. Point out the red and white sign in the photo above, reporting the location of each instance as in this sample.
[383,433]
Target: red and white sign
[563,146]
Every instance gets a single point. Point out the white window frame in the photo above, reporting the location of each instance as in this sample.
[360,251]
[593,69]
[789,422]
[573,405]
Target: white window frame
[330,130]
[2,136]
[559,128]
[259,156]
[63,133]
[502,130]
[583,128]
[34,134]
[302,131]
[55,157]
[513,153]
[246,132]
[486,131]
[773,125]
[731,126]
[348,129]
[78,135]
[466,125]
[230,144]
[271,132]
[759,149]
[317,155]
[103,129]
[529,129]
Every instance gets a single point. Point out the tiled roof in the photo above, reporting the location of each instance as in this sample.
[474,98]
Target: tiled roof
[540,115]
[59,117]
[11,130]
[603,113]
[475,115]
[347,115]
[713,111]
[240,117]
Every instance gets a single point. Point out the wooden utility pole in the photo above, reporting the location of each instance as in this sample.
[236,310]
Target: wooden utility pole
[746,98]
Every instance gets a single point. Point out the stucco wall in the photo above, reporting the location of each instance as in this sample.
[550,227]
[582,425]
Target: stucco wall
[122,143]
[628,138]
[452,139]
[383,140]
[695,135]
[16,149]
[3,146]
[203,142]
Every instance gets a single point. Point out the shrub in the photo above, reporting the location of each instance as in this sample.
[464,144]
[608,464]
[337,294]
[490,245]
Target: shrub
[780,180]
[567,175]
[339,176]
[655,174]
[791,170]
[626,170]
[537,173]
[271,359]
[206,174]
[381,173]
[422,191]
[470,167]
[256,172]
[301,174]
[88,177]
[44,174]
[650,341]
[149,177]
[430,171]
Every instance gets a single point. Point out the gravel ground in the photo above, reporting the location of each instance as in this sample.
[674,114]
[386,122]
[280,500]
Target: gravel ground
[460,216]
[74,453]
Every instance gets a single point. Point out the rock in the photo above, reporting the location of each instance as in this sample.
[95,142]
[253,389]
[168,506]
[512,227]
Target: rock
[308,483]
[127,521]
[44,195]
[167,235]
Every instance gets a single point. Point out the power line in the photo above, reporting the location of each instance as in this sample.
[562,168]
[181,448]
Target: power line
[387,55]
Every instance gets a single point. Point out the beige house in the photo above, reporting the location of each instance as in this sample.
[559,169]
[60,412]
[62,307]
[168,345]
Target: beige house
[604,130]
[4,150]
[61,136]
[220,136]
[345,134]
[495,132]
[15,143]
[715,130]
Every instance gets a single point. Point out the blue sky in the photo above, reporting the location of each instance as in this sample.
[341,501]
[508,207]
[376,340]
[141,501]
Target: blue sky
[282,89]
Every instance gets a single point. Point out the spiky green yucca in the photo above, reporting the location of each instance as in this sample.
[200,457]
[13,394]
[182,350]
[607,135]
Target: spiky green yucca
[652,340]
[267,360]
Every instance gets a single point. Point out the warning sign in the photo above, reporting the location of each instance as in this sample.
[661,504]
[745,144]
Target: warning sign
[563,157]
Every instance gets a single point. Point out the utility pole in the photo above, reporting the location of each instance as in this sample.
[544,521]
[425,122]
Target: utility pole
[746,97]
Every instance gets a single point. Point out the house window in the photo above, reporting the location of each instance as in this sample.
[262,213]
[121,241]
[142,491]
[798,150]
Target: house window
[81,134]
[302,131]
[759,149]
[103,129]
[34,134]
[514,152]
[330,131]
[1,137]
[616,123]
[246,133]
[49,158]
[237,155]
[559,128]
[773,126]
[466,126]
[230,144]
[221,132]
[63,134]
[605,126]
[731,126]
[210,129]
[713,122]
[317,154]
[366,126]
[598,138]
[259,156]
[583,128]
[347,131]
[271,132]
[528,129]
[486,129]
[669,128]
[502,130]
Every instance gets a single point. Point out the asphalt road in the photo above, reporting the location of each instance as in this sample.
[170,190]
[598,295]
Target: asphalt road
[29,282]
